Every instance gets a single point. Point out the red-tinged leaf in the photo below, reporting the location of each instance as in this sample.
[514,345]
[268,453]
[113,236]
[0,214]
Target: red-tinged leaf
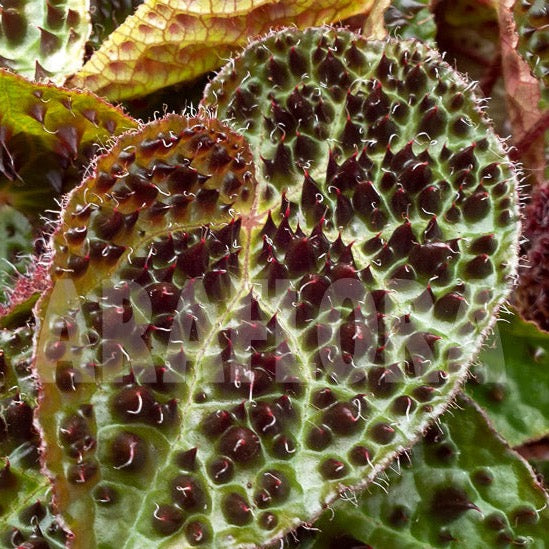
[169,41]
[528,121]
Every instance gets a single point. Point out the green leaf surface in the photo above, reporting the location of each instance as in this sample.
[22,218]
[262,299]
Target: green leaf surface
[226,346]
[167,41]
[16,246]
[532,18]
[461,487]
[510,381]
[48,135]
[177,183]
[43,38]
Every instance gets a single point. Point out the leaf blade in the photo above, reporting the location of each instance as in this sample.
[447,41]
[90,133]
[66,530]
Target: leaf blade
[467,455]
[179,43]
[511,378]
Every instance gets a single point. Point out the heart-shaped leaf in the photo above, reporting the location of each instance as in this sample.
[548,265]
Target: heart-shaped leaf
[219,358]
[48,135]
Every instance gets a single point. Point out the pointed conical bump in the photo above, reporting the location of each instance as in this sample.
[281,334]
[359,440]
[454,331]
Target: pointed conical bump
[332,469]
[433,122]
[416,176]
[278,72]
[55,16]
[129,452]
[450,503]
[221,470]
[49,42]
[297,62]
[167,519]
[299,107]
[187,460]
[240,444]
[198,532]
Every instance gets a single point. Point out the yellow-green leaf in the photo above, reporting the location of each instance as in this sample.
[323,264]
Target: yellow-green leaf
[48,135]
[42,38]
[170,41]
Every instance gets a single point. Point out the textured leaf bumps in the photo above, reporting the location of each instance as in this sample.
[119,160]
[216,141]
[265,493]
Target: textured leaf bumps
[235,334]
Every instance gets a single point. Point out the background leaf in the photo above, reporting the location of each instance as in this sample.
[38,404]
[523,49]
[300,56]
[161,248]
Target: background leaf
[411,19]
[168,41]
[25,513]
[44,38]
[374,26]
[462,487]
[510,381]
[48,135]
[16,246]
[532,20]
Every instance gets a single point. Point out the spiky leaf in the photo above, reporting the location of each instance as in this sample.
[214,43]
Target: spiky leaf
[342,130]
[167,41]
[43,38]
[462,487]
[220,358]
[161,203]
[511,378]
[47,137]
